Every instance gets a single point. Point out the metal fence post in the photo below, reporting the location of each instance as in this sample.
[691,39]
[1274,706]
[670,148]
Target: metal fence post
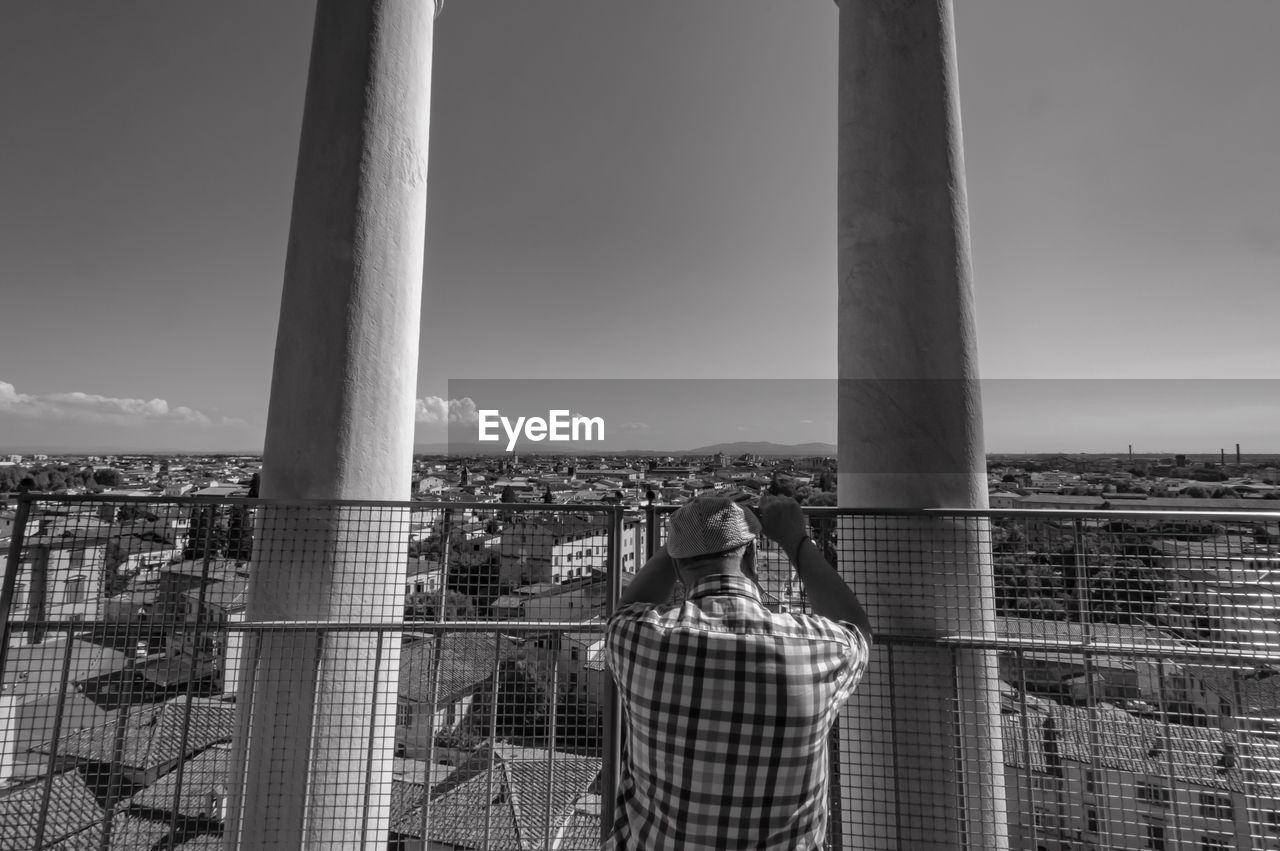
[612,739]
[43,818]
[9,586]
[191,681]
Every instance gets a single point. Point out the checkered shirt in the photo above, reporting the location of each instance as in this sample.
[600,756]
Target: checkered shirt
[726,711]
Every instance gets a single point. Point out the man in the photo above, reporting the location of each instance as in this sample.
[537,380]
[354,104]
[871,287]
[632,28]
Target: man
[726,705]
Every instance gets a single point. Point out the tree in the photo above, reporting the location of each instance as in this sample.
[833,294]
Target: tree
[239,533]
[422,606]
[128,512]
[521,709]
[475,575]
[508,495]
[1031,590]
[782,486]
[208,533]
[108,477]
[10,477]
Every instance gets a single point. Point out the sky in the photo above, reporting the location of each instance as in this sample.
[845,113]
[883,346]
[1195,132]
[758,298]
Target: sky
[643,191]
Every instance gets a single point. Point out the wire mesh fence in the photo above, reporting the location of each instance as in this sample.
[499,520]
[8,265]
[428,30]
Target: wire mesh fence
[1087,679]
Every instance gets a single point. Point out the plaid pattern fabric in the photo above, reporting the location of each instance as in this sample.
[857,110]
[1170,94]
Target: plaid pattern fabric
[726,711]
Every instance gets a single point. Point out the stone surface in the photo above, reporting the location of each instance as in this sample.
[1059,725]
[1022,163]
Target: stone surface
[317,710]
[910,436]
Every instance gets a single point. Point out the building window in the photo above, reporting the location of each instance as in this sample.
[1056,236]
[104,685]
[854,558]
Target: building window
[1090,781]
[1153,794]
[1213,805]
[1217,842]
[573,654]
[1091,820]
[73,590]
[404,715]
[1155,836]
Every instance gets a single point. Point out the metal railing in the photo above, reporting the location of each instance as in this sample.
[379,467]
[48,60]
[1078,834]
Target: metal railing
[1137,655]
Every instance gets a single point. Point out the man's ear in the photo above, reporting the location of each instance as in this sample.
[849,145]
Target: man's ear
[749,562]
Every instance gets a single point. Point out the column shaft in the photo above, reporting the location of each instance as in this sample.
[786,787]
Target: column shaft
[316,709]
[920,742]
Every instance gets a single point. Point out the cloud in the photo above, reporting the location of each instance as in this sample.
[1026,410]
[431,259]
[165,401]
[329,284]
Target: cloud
[806,422]
[634,427]
[433,410]
[92,408]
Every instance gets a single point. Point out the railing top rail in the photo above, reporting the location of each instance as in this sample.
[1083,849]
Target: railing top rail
[257,502]
[606,510]
[1090,513]
[339,625]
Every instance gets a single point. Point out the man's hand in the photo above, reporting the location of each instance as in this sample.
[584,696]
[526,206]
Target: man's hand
[782,520]
[653,582]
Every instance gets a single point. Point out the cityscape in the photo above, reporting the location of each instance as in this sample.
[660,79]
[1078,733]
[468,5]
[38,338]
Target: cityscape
[121,732]
[357,355]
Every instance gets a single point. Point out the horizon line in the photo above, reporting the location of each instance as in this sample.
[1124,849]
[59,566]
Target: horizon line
[435,449]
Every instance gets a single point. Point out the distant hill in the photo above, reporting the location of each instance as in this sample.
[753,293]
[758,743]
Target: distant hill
[733,450]
[761,447]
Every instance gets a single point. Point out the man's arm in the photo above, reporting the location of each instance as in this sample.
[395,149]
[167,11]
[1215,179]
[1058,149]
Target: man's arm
[828,594]
[653,582]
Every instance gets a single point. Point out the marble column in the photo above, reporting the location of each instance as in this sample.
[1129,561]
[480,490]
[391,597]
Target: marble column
[316,707]
[921,758]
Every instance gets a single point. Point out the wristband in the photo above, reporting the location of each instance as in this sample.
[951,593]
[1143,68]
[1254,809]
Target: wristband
[796,558]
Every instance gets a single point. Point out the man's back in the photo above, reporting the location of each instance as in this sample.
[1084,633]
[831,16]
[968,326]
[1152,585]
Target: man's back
[727,707]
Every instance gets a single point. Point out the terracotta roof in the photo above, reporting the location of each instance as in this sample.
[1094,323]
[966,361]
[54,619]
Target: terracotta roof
[200,775]
[152,734]
[1257,695]
[72,808]
[511,797]
[1129,636]
[1200,755]
[581,831]
[128,833]
[466,659]
[28,666]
